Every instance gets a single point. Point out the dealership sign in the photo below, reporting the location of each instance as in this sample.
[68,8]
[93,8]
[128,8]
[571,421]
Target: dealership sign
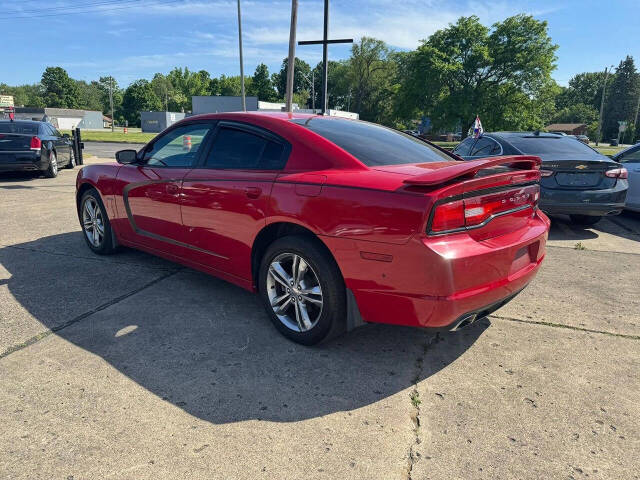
[6,101]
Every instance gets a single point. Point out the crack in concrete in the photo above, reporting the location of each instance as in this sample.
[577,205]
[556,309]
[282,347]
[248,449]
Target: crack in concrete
[587,249]
[82,316]
[412,456]
[93,258]
[568,327]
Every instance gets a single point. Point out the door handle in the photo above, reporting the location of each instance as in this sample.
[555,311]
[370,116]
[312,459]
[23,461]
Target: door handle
[252,192]
[172,189]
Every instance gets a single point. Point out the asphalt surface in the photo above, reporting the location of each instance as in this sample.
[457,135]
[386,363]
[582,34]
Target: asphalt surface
[131,367]
[107,150]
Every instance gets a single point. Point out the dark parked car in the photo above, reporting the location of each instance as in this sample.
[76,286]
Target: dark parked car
[630,158]
[576,179]
[27,145]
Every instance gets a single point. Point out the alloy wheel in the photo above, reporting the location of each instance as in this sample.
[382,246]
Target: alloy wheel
[93,222]
[294,292]
[54,163]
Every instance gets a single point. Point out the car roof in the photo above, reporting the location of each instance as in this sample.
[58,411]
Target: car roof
[508,135]
[18,120]
[284,116]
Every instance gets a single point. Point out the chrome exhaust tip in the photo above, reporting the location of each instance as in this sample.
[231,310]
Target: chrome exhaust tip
[464,322]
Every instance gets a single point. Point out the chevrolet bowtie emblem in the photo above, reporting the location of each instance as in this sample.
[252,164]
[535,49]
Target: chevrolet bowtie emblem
[581,167]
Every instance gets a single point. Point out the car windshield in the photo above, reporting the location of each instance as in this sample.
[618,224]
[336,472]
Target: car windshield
[19,127]
[543,145]
[373,144]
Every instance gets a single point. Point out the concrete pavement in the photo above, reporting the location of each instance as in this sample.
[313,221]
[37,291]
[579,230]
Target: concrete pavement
[128,366]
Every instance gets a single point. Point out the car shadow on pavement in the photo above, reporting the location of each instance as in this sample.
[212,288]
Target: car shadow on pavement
[626,225]
[208,348]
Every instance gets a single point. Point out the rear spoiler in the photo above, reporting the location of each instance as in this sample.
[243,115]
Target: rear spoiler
[462,169]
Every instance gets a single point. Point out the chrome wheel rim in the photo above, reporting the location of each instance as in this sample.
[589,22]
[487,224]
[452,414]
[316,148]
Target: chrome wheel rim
[54,163]
[72,160]
[294,292]
[93,222]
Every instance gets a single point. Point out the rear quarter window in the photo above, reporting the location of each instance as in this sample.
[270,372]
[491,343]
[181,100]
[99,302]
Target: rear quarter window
[372,144]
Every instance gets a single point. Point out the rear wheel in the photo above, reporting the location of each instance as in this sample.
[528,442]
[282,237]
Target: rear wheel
[72,161]
[95,223]
[585,219]
[302,290]
[52,171]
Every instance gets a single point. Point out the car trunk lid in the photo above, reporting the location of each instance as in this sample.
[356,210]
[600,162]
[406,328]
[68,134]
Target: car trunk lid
[11,142]
[577,174]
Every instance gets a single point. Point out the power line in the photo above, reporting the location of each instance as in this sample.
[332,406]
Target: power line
[70,7]
[93,11]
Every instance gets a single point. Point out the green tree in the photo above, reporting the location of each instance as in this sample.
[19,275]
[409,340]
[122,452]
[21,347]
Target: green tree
[621,99]
[338,85]
[24,95]
[584,88]
[261,85]
[468,69]
[89,95]
[59,89]
[299,81]
[576,113]
[138,97]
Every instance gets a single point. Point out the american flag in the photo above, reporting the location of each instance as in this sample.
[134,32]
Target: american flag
[477,128]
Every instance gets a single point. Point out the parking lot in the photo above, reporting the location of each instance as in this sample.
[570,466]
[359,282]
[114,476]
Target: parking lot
[131,367]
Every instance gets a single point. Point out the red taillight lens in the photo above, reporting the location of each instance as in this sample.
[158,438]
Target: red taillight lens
[36,143]
[478,209]
[617,173]
[448,216]
[546,173]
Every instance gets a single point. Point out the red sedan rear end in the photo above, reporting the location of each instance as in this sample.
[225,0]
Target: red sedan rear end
[334,222]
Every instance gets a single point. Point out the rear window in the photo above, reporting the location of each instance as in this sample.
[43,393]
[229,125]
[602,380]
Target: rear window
[374,144]
[534,145]
[19,127]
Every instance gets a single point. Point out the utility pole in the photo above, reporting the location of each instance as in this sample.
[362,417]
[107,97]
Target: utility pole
[604,87]
[244,101]
[291,62]
[313,91]
[111,102]
[325,59]
[635,122]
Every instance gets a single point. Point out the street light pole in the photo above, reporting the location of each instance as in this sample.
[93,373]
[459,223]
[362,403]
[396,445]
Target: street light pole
[604,87]
[313,92]
[244,102]
[291,62]
[111,102]
[635,122]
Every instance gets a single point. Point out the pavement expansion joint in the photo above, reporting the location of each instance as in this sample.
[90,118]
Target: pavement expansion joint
[82,316]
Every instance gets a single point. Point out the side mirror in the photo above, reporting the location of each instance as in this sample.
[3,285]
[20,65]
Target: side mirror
[65,135]
[126,157]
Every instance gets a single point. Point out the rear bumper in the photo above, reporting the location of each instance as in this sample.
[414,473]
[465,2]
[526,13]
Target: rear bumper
[22,161]
[436,281]
[584,202]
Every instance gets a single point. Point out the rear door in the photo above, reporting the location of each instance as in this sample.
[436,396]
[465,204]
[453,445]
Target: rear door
[225,198]
[151,188]
[631,161]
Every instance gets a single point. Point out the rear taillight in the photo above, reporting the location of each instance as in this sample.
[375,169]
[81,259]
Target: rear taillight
[36,143]
[617,173]
[546,173]
[477,210]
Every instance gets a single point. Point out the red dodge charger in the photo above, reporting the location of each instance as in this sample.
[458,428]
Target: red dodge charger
[334,222]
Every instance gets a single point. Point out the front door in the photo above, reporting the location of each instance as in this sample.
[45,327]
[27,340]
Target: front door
[225,198]
[151,188]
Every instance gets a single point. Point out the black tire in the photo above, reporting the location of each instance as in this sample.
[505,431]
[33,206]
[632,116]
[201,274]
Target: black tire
[331,319]
[72,160]
[585,220]
[105,244]
[52,169]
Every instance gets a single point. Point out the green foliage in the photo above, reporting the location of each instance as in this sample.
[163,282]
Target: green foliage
[299,81]
[622,99]
[59,89]
[576,113]
[261,85]
[468,69]
[138,97]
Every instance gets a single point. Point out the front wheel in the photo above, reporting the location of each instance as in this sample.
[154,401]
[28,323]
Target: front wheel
[302,290]
[585,220]
[95,223]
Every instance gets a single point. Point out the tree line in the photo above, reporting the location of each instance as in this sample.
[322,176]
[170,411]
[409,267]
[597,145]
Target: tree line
[501,73]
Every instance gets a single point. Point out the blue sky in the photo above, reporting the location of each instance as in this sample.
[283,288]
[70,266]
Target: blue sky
[133,39]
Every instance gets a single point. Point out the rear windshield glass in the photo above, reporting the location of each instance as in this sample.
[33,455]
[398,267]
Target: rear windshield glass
[373,144]
[19,127]
[534,145]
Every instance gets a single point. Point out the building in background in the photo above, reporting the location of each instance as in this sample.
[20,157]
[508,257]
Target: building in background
[568,128]
[62,118]
[221,103]
[155,122]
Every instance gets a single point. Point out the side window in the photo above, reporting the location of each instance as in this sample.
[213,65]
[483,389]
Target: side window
[178,147]
[631,157]
[56,133]
[485,146]
[464,148]
[239,149]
